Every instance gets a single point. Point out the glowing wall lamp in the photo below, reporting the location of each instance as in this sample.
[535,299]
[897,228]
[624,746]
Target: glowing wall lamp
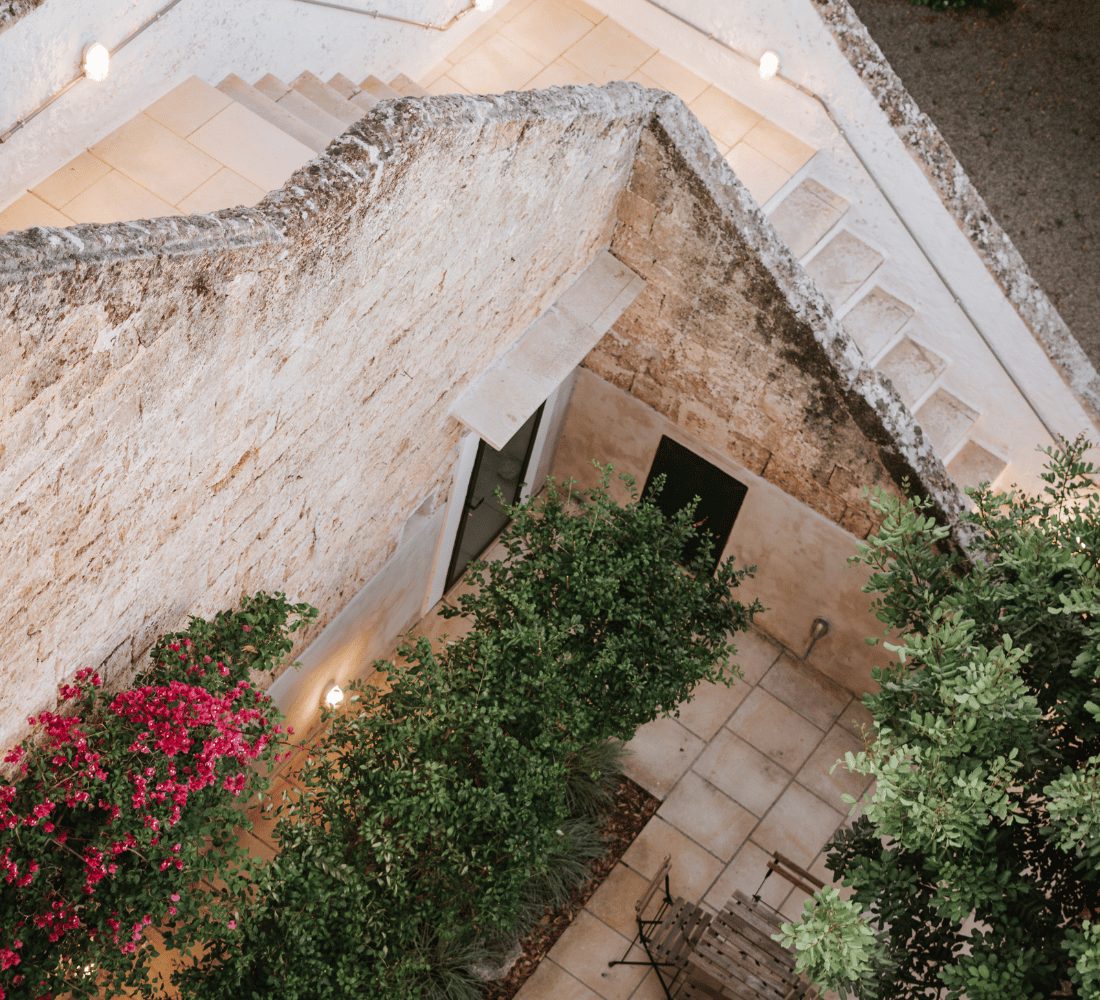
[333,696]
[96,63]
[484,4]
[769,65]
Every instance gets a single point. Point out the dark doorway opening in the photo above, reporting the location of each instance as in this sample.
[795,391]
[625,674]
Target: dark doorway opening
[688,476]
[482,517]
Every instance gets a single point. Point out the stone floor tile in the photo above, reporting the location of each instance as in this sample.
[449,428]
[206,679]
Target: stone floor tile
[794,906]
[662,751]
[613,902]
[779,146]
[560,74]
[693,869]
[257,150]
[745,873]
[774,729]
[650,987]
[708,816]
[226,189]
[805,216]
[608,52]
[495,66]
[756,652]
[158,159]
[511,9]
[829,878]
[945,419]
[584,950]
[551,982]
[183,109]
[711,705]
[742,772]
[546,29]
[484,31]
[63,185]
[30,210]
[808,691]
[117,198]
[874,319]
[443,85]
[441,68]
[671,76]
[829,787]
[857,719]
[593,15]
[726,119]
[844,264]
[798,825]
[761,175]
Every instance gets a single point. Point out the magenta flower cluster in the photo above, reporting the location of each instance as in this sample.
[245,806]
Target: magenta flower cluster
[101,796]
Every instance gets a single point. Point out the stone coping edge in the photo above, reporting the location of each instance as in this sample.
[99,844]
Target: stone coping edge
[15,10]
[962,199]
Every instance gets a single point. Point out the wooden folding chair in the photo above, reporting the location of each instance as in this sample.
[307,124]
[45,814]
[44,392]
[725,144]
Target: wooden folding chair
[670,934]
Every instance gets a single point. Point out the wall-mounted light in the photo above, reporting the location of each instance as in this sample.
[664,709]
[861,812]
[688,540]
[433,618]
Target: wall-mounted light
[334,695]
[484,4]
[769,65]
[96,63]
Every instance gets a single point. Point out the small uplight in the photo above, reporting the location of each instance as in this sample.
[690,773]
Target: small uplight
[484,4]
[96,62]
[769,65]
[334,696]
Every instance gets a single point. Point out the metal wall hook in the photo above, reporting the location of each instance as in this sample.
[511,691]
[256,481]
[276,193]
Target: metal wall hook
[819,628]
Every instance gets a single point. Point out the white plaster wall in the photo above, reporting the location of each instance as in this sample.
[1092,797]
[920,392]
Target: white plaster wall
[42,52]
[801,557]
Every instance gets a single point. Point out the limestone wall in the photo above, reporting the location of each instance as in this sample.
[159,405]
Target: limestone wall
[194,407]
[731,341]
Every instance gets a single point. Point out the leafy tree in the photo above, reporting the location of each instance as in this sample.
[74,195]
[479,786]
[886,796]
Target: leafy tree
[986,755]
[456,800]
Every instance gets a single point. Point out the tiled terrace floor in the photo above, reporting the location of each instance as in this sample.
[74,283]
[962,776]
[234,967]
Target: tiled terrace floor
[744,771]
[531,44]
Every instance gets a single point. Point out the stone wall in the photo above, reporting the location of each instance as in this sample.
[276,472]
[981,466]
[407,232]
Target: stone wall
[256,399]
[731,340]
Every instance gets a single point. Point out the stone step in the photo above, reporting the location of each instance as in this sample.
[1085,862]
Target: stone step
[407,86]
[300,106]
[842,266]
[376,88]
[312,87]
[342,85]
[263,106]
[806,215]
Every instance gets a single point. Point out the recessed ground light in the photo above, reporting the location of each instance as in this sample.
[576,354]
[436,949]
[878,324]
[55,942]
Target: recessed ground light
[769,65]
[334,696]
[96,63]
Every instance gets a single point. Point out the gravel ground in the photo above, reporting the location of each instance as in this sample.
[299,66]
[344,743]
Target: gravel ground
[1015,90]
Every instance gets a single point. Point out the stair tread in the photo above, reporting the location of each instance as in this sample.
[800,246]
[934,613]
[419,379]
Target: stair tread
[271,86]
[407,86]
[260,104]
[376,88]
[343,86]
[313,88]
[303,108]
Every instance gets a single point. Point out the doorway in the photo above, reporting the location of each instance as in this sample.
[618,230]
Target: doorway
[689,476]
[482,516]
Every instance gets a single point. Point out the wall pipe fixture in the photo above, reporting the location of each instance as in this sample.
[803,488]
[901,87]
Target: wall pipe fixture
[988,341]
[8,133]
[400,20]
[818,630]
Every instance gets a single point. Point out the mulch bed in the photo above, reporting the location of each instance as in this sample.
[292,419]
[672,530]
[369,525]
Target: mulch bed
[632,809]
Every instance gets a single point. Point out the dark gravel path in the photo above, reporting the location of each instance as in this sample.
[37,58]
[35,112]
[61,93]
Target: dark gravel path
[1016,93]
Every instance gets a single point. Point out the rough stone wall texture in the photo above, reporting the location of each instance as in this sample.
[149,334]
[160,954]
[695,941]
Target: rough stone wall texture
[732,341]
[12,10]
[258,398]
[958,193]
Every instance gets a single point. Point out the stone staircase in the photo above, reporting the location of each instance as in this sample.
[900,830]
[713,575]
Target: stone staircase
[813,221]
[202,148]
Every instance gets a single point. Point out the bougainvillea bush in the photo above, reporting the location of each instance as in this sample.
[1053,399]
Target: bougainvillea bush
[123,808]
